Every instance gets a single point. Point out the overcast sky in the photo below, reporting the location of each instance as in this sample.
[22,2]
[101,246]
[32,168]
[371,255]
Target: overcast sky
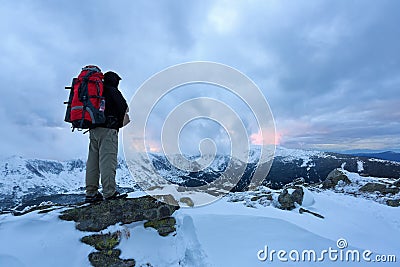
[330,70]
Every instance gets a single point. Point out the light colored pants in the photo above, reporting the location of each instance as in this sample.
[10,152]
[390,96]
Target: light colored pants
[102,161]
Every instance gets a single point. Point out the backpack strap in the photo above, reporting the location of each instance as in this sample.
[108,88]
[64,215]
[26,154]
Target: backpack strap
[83,96]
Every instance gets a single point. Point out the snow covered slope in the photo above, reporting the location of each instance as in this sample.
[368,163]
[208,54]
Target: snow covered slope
[224,233]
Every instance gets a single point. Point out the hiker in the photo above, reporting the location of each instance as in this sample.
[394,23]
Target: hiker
[103,146]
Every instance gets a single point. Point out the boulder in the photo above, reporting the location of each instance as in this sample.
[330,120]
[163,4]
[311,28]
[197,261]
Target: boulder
[378,187]
[287,201]
[334,177]
[397,183]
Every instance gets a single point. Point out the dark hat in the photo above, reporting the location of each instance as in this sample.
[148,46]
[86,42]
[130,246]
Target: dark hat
[111,78]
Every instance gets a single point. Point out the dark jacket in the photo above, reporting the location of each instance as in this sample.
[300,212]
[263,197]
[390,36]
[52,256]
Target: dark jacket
[116,105]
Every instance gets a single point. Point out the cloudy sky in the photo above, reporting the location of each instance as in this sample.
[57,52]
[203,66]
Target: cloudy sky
[330,70]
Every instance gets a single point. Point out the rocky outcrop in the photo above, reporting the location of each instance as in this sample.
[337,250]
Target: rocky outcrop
[397,183]
[99,216]
[378,187]
[287,201]
[334,177]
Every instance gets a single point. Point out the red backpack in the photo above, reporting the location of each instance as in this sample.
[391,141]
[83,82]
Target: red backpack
[85,106]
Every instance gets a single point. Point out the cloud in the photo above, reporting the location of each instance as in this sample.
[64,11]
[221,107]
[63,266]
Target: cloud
[329,70]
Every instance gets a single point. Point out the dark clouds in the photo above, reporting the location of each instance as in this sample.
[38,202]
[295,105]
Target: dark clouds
[329,69]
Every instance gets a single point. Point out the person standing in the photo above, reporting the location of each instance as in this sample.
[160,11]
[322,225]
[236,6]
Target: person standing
[103,145]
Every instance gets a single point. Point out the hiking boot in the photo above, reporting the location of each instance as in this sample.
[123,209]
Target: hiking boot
[96,198]
[117,195]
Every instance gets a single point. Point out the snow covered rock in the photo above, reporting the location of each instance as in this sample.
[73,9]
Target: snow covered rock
[397,183]
[334,177]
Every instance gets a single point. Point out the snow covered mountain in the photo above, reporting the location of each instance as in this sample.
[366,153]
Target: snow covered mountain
[288,164]
[23,180]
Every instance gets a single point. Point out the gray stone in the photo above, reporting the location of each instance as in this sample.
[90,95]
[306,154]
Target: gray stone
[333,179]
[378,187]
[287,201]
[297,195]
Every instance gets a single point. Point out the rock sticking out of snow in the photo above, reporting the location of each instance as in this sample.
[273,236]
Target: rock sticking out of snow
[334,177]
[287,200]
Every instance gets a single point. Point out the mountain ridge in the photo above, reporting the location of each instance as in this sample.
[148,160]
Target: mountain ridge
[386,155]
[22,180]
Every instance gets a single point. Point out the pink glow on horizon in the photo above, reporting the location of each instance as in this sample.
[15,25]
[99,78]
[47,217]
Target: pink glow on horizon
[270,138]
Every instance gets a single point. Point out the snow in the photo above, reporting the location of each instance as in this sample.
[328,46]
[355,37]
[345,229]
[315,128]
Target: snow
[198,198]
[223,233]
[308,198]
[295,154]
[40,240]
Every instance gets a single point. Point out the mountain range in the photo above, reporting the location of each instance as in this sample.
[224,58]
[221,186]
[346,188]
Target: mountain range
[387,155]
[29,181]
